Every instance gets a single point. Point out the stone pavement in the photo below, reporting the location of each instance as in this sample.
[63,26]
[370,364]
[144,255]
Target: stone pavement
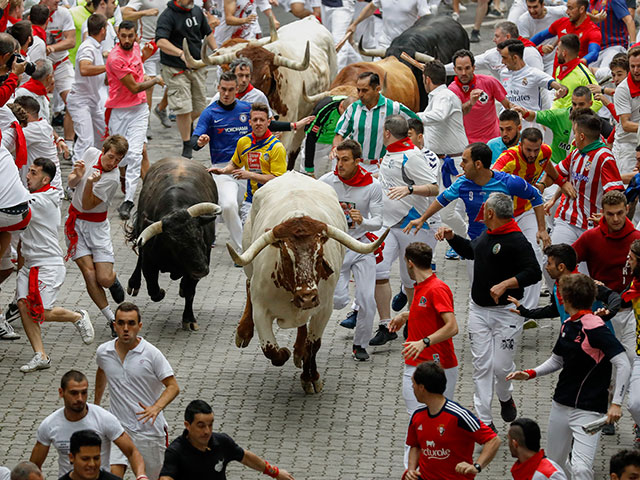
[353,429]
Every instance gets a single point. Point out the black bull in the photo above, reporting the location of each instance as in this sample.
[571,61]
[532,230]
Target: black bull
[178,240]
[439,37]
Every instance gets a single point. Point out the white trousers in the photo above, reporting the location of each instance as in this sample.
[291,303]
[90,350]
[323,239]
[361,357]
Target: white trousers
[363,268]
[228,190]
[529,227]
[624,326]
[633,399]
[567,437]
[564,232]
[625,155]
[494,333]
[604,59]
[131,123]
[337,20]
[151,447]
[88,124]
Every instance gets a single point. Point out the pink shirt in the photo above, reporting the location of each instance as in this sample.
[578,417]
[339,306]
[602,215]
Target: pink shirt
[481,123]
[120,63]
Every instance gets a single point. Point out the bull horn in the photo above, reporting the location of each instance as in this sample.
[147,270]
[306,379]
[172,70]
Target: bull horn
[204,208]
[313,98]
[203,53]
[374,52]
[423,57]
[353,244]
[189,61]
[273,31]
[260,42]
[281,61]
[264,240]
[220,59]
[148,233]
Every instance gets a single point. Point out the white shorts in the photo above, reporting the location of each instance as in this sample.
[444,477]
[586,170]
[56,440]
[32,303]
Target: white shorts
[63,76]
[152,66]
[94,238]
[151,447]
[50,279]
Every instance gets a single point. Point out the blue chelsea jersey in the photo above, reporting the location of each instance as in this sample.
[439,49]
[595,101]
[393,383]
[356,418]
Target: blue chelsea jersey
[225,128]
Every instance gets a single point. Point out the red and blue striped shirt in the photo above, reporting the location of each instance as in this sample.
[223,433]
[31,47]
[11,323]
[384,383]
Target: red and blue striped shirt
[613,29]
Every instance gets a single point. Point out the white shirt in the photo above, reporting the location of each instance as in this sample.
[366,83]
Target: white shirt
[625,104]
[41,143]
[40,239]
[367,199]
[109,40]
[529,26]
[84,88]
[12,191]
[8,134]
[61,21]
[137,379]
[491,60]
[37,50]
[41,99]
[244,8]
[5,473]
[398,16]
[527,87]
[250,96]
[444,129]
[56,430]
[148,23]
[105,188]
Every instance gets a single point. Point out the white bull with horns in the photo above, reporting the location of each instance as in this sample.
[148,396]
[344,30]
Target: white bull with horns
[294,245]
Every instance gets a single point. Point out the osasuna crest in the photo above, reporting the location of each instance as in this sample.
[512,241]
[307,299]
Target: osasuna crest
[422,302]
[243,117]
[219,465]
[496,248]
[441,430]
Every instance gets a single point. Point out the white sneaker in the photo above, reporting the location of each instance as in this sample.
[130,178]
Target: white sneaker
[6,330]
[84,327]
[455,16]
[462,6]
[38,362]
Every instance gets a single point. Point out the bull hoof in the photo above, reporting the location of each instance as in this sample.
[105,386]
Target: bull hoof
[297,361]
[190,326]
[278,357]
[133,291]
[242,342]
[312,386]
[159,296]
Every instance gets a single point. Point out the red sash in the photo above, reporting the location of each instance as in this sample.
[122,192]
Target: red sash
[509,227]
[466,87]
[107,117]
[70,227]
[21,146]
[634,87]
[21,225]
[242,94]
[34,300]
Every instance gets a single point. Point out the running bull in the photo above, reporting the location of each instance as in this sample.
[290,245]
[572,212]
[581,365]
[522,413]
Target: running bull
[294,245]
[174,229]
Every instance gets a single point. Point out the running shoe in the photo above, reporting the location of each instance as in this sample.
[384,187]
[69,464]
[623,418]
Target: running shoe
[382,336]
[38,362]
[6,330]
[12,313]
[350,321]
[163,117]
[451,254]
[508,410]
[360,354]
[117,292]
[84,327]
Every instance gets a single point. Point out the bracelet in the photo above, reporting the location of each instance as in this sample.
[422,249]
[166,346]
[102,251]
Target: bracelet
[531,372]
[271,470]
[295,126]
[526,115]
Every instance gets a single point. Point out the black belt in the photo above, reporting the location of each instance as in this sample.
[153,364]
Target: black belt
[21,209]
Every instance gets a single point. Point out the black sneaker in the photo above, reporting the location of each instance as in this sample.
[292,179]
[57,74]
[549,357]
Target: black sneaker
[360,354]
[11,313]
[475,36]
[399,301]
[609,429]
[113,330]
[187,149]
[494,12]
[508,410]
[58,120]
[351,320]
[382,336]
[117,292]
[124,210]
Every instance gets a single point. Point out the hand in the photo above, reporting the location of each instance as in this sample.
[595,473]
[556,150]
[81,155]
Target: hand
[356,216]
[242,174]
[305,121]
[148,413]
[595,218]
[465,468]
[595,88]
[94,177]
[519,375]
[18,68]
[50,49]
[250,18]
[515,301]
[212,20]
[543,236]
[64,149]
[569,190]
[521,110]
[602,312]
[78,169]
[159,81]
[417,224]
[273,3]
[276,23]
[497,291]
[444,233]
[202,141]
[548,205]
[215,171]
[147,51]
[614,413]
[597,17]
[601,98]
[561,92]
[284,475]
[351,28]
[333,153]
[412,475]
[152,12]
[396,193]
[547,49]
[397,322]
[412,350]
[474,97]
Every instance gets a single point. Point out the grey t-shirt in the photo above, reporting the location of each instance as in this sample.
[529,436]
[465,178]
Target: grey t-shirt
[148,23]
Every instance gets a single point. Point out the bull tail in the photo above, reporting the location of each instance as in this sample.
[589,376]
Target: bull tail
[131,232]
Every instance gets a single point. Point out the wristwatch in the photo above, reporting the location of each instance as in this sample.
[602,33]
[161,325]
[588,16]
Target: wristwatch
[478,467]
[426,341]
[410,187]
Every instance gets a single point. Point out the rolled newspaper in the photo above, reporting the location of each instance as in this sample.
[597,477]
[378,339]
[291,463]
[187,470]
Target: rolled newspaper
[594,427]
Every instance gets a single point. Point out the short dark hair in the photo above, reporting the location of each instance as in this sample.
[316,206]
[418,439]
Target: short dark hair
[620,61]
[351,145]
[513,46]
[431,376]
[480,152]
[633,52]
[47,166]
[526,433]
[563,253]
[260,107]
[96,3]
[95,23]
[374,78]
[589,125]
[21,31]
[84,438]
[579,112]
[8,44]
[536,1]
[621,460]
[228,76]
[127,25]
[614,197]
[72,375]
[510,116]
[463,52]
[582,91]
[128,307]
[571,42]
[416,125]
[531,134]
[579,290]
[420,254]
[397,125]
[39,14]
[435,71]
[509,28]
[194,408]
[28,104]
[583,3]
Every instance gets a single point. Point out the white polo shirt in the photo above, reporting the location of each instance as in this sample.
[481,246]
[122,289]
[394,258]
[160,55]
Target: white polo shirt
[529,26]
[137,379]
[37,50]
[84,88]
[148,23]
[105,188]
[444,131]
[398,16]
[625,104]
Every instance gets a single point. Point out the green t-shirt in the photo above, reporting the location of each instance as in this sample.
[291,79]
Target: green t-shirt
[558,121]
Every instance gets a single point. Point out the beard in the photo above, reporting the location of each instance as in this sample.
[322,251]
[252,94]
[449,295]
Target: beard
[126,46]
[511,142]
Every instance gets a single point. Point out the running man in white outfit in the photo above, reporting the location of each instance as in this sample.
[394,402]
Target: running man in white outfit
[538,18]
[141,385]
[43,272]
[360,196]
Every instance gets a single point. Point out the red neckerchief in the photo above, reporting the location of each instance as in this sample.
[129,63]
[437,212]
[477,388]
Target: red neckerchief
[23,53]
[21,146]
[526,470]
[14,20]
[4,18]
[98,165]
[466,88]
[634,87]
[44,188]
[401,145]
[362,178]
[34,300]
[35,86]
[509,227]
[579,314]
[181,7]
[39,32]
[240,95]
[255,139]
[527,42]
[566,68]
[632,292]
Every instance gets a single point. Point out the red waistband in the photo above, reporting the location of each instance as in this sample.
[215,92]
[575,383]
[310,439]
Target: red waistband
[89,217]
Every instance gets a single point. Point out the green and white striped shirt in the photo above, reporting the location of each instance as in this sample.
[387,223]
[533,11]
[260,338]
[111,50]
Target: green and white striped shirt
[366,126]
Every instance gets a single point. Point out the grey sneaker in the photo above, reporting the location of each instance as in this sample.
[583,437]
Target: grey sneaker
[360,354]
[163,117]
[38,362]
[6,330]
[85,327]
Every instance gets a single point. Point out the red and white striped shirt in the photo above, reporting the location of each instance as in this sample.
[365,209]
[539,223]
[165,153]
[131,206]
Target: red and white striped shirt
[592,172]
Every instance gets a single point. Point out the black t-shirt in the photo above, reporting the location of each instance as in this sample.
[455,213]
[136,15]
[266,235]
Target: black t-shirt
[183,461]
[104,475]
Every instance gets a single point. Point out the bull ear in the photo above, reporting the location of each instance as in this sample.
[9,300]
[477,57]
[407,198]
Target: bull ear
[205,219]
[324,269]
